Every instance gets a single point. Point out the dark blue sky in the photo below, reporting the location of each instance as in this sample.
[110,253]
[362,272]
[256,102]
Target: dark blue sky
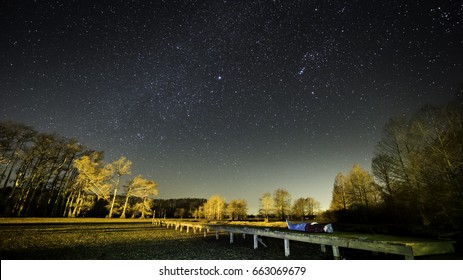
[234,98]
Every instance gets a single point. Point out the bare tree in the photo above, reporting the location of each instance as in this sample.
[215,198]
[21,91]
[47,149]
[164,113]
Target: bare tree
[142,188]
[14,139]
[282,202]
[299,208]
[93,178]
[237,209]
[339,200]
[313,206]
[266,205]
[214,208]
[362,190]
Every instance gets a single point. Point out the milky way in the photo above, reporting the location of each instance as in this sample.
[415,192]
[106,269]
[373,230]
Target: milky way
[228,97]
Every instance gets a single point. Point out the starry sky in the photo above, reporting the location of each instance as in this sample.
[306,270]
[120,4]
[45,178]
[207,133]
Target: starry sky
[234,98]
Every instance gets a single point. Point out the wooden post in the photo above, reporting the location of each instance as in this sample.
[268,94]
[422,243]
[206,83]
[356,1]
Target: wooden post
[323,248]
[336,254]
[256,242]
[231,237]
[286,242]
[217,234]
[205,232]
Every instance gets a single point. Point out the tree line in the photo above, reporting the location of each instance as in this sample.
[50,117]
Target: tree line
[45,175]
[177,207]
[276,206]
[416,174]
[279,206]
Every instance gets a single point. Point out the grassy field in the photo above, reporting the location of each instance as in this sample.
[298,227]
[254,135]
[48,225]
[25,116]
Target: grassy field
[126,239]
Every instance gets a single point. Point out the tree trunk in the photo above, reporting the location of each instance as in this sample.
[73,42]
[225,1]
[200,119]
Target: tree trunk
[112,204]
[125,207]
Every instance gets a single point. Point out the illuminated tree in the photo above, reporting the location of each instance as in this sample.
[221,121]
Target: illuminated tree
[93,176]
[237,209]
[339,200]
[313,206]
[120,167]
[143,208]
[299,208]
[305,207]
[266,205]
[282,203]
[142,188]
[214,208]
[362,191]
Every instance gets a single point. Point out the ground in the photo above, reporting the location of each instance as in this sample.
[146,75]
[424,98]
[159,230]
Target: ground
[140,240]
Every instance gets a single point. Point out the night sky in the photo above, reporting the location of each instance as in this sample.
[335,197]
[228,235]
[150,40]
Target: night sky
[234,98]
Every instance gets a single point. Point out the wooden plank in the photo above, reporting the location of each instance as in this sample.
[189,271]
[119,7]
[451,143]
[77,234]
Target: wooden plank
[432,248]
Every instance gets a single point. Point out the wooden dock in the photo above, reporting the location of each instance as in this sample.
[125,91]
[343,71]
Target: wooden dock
[408,247]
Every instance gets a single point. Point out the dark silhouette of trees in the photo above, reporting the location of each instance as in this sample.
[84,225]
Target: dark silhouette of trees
[36,171]
[166,208]
[339,199]
[417,169]
[419,166]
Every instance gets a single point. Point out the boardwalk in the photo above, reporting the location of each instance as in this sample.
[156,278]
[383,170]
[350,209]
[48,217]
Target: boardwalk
[407,247]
